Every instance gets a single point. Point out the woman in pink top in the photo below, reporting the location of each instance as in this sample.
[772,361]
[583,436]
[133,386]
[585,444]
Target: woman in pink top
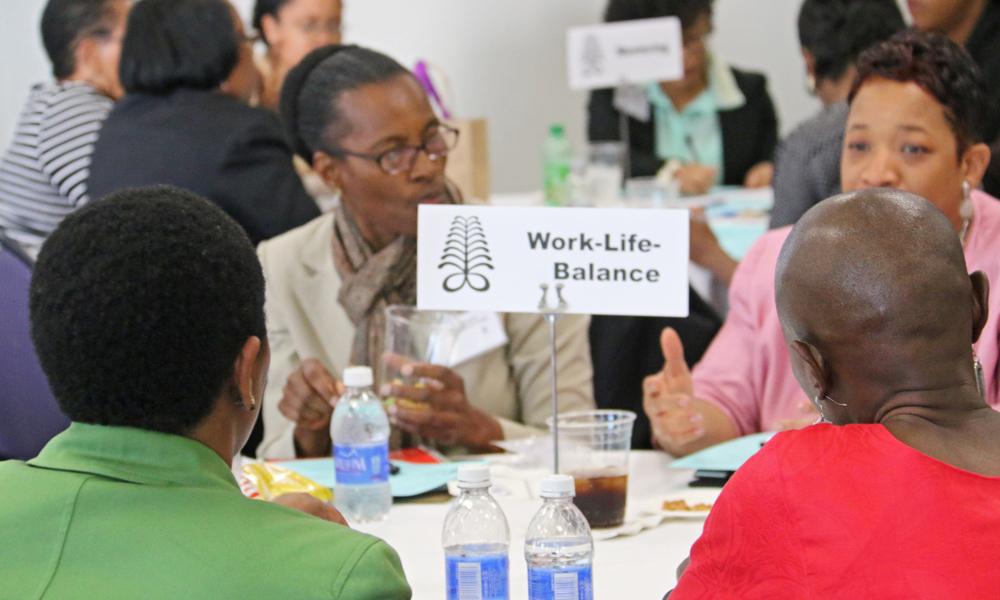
[912,126]
[901,498]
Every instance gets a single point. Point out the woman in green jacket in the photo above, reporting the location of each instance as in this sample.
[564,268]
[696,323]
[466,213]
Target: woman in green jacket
[147,312]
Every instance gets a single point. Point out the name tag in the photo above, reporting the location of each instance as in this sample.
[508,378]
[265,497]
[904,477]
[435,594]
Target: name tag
[478,333]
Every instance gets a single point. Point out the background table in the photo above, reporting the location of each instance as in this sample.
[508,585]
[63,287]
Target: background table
[639,566]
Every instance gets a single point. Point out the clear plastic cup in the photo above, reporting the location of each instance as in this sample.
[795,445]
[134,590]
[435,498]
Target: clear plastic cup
[594,448]
[649,192]
[413,335]
[604,172]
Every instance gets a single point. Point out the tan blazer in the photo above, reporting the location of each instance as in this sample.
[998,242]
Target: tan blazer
[304,320]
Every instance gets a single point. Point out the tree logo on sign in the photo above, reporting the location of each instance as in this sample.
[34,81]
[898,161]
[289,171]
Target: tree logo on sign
[466,253]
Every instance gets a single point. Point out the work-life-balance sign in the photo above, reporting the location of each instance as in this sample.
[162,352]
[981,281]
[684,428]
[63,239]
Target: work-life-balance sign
[630,52]
[574,260]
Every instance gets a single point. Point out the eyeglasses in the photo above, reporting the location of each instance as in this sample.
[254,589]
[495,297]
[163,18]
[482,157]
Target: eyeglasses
[402,158]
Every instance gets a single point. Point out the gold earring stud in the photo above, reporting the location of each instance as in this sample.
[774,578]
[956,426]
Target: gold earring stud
[253,401]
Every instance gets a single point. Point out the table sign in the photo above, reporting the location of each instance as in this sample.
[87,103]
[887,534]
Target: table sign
[553,261]
[544,260]
[631,52]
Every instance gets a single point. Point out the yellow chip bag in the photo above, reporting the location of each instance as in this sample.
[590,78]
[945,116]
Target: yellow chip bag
[272,481]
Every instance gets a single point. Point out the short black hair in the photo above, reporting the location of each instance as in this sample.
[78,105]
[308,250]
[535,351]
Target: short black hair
[140,304]
[171,44]
[941,68]
[66,22]
[311,90]
[688,11]
[265,7]
[835,32]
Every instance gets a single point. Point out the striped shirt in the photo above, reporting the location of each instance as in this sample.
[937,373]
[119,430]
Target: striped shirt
[43,175]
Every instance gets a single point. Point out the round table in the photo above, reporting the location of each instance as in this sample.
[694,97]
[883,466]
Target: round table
[638,566]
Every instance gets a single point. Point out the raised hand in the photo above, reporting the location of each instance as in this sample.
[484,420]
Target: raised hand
[668,397]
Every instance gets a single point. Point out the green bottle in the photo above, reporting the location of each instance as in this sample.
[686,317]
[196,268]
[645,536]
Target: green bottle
[557,157]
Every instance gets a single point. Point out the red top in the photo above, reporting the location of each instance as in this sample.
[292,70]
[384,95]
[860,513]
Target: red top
[848,512]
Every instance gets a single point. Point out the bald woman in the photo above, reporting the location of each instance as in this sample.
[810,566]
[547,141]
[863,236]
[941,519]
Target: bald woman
[880,316]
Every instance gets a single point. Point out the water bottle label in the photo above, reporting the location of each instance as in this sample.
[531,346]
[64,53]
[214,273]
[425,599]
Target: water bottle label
[562,583]
[360,465]
[477,577]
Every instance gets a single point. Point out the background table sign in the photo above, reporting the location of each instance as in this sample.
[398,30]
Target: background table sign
[633,52]
[513,259]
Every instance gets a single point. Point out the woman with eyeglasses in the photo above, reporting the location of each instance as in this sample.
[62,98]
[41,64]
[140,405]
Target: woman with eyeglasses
[366,126]
[291,29]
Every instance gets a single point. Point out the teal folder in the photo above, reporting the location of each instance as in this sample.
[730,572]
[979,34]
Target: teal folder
[727,456]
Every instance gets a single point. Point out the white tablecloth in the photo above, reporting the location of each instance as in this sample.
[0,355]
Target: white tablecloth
[639,566]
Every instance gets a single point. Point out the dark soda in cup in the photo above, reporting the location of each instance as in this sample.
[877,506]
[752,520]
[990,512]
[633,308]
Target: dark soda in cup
[600,497]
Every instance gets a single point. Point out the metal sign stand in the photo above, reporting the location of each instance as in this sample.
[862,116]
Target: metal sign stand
[551,314]
[623,133]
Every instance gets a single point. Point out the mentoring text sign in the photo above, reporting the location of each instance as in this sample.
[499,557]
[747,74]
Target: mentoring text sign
[630,52]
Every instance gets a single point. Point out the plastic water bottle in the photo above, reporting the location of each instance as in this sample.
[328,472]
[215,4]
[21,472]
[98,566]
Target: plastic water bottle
[557,157]
[475,540]
[558,546]
[360,433]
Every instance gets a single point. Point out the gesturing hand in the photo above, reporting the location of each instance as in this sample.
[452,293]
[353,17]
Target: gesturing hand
[308,399]
[668,396]
[438,408]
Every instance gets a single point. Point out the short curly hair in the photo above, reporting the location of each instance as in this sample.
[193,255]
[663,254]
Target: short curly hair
[941,68]
[140,304]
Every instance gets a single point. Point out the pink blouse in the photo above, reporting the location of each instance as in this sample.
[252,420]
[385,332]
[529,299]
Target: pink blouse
[746,371]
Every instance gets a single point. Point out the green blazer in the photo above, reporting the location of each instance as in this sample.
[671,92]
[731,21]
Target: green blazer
[115,512]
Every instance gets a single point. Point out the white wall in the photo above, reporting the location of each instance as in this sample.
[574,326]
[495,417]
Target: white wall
[505,60]
[23,63]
